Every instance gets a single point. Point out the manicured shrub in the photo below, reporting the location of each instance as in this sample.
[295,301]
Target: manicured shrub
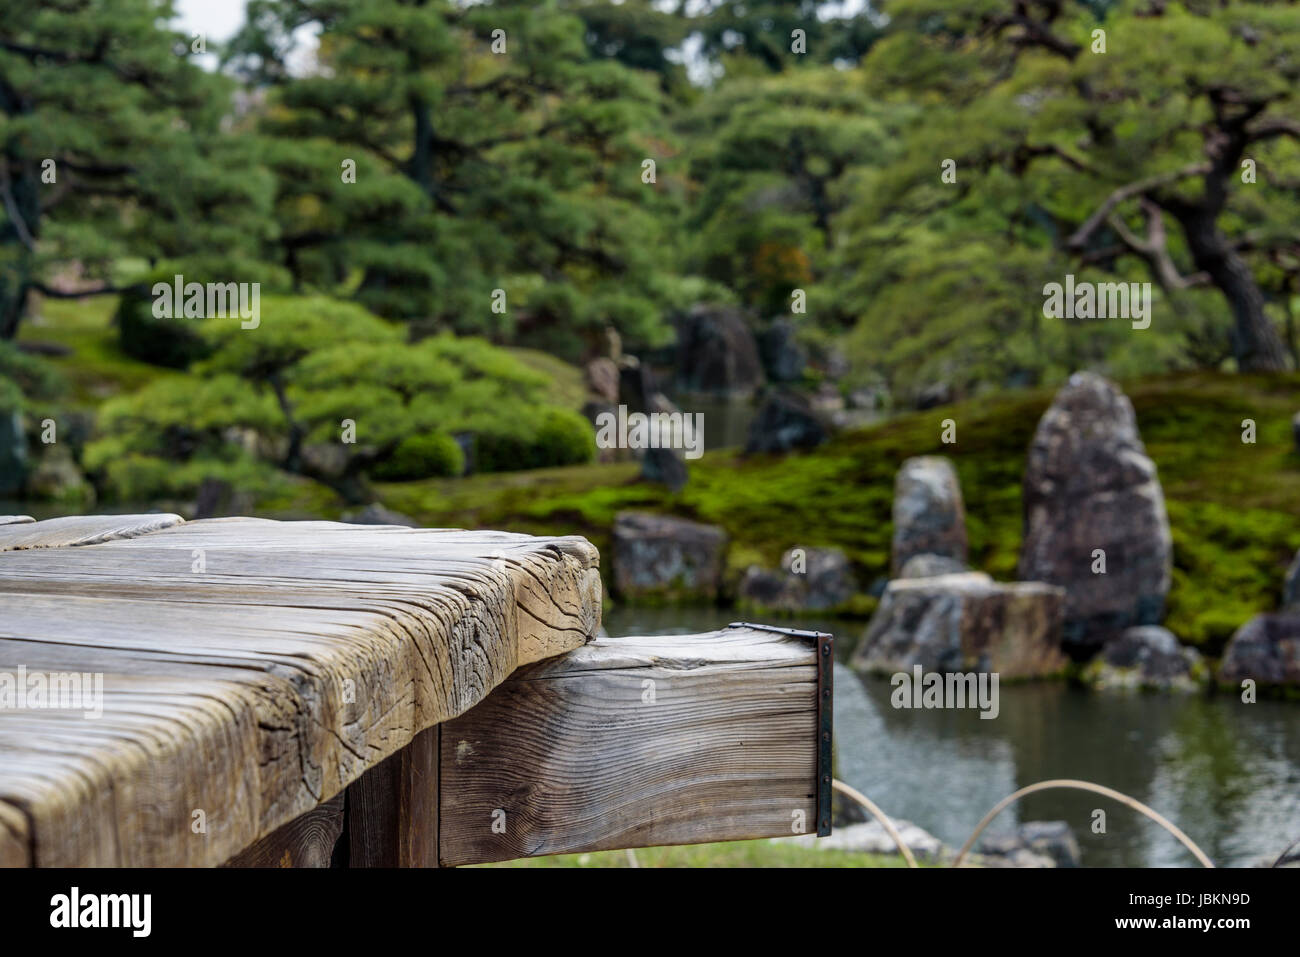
[432,455]
[174,343]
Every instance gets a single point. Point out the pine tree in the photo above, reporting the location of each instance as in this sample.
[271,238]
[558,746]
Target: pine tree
[113,147]
[492,152]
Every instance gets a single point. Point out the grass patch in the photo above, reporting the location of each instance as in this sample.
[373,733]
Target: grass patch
[97,368]
[778,852]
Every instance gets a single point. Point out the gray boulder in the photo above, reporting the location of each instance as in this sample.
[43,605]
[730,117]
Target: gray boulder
[665,467]
[930,566]
[1053,840]
[717,353]
[56,478]
[601,377]
[1265,649]
[810,579]
[328,460]
[962,623]
[933,396]
[929,515]
[1147,656]
[870,837]
[667,558]
[785,421]
[1090,489]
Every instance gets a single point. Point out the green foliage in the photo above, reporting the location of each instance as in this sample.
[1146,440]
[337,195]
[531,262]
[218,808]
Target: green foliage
[535,438]
[944,279]
[771,157]
[174,342]
[761,31]
[475,170]
[275,396]
[22,375]
[432,455]
[133,128]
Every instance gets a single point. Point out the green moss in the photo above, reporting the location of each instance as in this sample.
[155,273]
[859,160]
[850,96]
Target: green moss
[96,368]
[423,456]
[1233,506]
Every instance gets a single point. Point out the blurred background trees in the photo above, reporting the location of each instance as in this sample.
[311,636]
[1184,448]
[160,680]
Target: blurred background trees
[545,175]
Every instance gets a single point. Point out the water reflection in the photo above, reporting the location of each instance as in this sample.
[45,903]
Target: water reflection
[1227,773]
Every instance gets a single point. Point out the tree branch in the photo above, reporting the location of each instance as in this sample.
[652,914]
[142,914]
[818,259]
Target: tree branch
[51,293]
[1140,188]
[1154,249]
[1272,127]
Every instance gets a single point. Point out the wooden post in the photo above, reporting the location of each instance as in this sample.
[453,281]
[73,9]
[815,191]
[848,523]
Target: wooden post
[391,813]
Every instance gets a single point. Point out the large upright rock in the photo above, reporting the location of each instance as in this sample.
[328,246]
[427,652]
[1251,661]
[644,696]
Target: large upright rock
[929,515]
[664,558]
[717,353]
[1092,497]
[962,623]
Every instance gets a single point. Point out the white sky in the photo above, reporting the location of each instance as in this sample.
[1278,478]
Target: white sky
[216,19]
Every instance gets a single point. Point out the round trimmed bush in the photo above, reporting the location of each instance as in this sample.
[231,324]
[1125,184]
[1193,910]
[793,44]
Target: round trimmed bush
[431,455]
[173,343]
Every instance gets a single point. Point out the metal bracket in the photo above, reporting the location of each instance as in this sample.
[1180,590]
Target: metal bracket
[824,645]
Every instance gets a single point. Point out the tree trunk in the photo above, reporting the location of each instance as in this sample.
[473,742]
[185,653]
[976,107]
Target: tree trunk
[1255,343]
[13,299]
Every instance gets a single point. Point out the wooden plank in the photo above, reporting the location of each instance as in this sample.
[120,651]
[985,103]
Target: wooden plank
[260,685]
[309,840]
[636,742]
[79,530]
[15,838]
[392,809]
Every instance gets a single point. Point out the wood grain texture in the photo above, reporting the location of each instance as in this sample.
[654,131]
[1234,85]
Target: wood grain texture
[572,754]
[79,530]
[14,837]
[251,669]
[392,809]
[309,840]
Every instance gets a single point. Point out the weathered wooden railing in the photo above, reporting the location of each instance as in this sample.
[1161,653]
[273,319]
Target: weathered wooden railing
[312,693]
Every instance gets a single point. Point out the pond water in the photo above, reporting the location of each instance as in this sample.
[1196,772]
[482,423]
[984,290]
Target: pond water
[1225,772]
[726,421]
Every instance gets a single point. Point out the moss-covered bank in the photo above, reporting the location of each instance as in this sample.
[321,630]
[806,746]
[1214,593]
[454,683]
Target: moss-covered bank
[1234,507]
